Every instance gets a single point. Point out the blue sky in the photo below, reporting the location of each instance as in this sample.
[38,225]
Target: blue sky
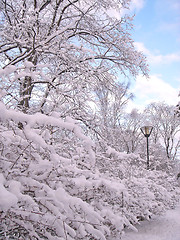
[157,34]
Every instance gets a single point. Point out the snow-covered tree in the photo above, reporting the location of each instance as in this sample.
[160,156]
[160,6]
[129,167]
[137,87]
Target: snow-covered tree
[68,43]
[166,127]
[109,103]
[130,130]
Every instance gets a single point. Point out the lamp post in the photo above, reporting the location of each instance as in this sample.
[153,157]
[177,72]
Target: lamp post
[146,130]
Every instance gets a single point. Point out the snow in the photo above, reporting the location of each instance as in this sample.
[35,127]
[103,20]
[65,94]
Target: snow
[166,227]
[7,199]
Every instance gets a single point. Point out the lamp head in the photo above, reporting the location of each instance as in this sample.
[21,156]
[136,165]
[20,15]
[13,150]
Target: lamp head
[146,130]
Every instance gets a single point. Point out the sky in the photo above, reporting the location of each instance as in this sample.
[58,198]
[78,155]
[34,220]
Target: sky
[157,34]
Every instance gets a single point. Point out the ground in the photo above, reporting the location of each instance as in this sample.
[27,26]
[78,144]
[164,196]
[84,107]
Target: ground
[166,227]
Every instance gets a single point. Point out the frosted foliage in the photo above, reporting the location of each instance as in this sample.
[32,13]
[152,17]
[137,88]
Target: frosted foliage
[49,185]
[56,52]
[54,186]
[166,128]
[7,198]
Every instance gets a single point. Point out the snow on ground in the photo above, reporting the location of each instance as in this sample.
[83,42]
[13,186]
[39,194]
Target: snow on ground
[166,227]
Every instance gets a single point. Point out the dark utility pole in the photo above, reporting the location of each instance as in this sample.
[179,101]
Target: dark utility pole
[147,153]
[146,130]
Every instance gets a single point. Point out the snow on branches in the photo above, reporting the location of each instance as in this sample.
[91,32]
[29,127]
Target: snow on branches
[52,187]
[55,183]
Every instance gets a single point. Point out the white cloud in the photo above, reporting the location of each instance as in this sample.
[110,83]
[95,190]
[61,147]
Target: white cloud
[156,88]
[157,58]
[150,90]
[133,105]
[140,47]
[134,6]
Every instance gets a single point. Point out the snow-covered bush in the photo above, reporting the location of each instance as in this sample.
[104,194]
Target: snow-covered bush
[149,192]
[54,186]
[49,188]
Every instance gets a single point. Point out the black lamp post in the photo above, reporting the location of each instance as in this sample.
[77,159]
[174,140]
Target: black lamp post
[146,130]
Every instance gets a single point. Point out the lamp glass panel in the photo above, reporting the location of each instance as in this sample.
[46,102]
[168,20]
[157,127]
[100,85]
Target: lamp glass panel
[147,130]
